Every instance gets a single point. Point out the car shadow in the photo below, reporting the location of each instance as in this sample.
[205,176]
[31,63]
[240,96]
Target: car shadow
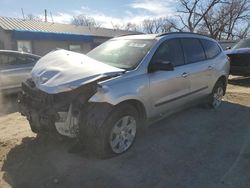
[8,104]
[240,81]
[194,148]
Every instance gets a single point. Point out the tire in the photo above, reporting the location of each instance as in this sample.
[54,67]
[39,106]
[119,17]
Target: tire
[118,132]
[216,96]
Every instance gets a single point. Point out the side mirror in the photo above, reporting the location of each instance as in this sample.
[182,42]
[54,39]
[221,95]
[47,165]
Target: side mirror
[228,48]
[161,66]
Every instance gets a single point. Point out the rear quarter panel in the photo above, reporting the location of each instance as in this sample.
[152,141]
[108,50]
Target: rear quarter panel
[221,68]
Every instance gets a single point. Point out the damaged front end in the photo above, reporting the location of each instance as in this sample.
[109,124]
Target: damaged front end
[62,83]
[54,112]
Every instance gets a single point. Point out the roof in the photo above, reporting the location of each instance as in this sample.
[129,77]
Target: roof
[17,24]
[138,36]
[161,35]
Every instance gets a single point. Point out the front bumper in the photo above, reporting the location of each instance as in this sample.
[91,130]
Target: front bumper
[43,110]
[38,107]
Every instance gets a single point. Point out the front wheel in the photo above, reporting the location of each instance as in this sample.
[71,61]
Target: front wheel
[118,132]
[122,134]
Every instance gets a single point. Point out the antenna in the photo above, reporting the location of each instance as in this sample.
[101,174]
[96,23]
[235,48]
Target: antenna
[51,17]
[23,13]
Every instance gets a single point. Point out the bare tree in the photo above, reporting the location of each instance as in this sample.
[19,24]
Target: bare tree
[238,13]
[215,22]
[149,26]
[159,25]
[243,32]
[117,26]
[131,27]
[170,26]
[33,17]
[125,26]
[228,20]
[192,12]
[83,20]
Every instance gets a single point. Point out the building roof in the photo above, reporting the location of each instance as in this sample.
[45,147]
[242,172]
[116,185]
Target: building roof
[16,24]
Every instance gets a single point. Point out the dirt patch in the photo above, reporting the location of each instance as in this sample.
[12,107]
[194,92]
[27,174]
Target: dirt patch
[195,148]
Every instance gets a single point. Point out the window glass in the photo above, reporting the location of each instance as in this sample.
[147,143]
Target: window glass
[12,60]
[122,53]
[16,59]
[193,50]
[3,60]
[26,59]
[211,48]
[1,44]
[24,46]
[170,51]
[75,47]
[8,60]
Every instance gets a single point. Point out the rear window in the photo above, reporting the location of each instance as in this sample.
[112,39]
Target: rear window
[193,50]
[211,48]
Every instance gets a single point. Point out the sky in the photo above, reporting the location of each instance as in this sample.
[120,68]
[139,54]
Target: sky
[107,13]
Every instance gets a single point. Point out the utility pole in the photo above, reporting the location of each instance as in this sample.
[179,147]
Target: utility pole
[45,12]
[51,17]
[23,13]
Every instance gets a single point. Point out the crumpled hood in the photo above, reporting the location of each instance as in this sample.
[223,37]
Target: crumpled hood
[238,51]
[63,70]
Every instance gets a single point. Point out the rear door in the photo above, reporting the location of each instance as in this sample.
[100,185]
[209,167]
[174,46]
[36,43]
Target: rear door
[169,88]
[212,51]
[198,67]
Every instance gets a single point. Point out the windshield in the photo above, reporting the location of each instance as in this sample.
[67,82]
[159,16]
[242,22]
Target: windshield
[242,44]
[122,53]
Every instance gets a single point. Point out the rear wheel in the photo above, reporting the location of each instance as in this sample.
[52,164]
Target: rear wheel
[217,95]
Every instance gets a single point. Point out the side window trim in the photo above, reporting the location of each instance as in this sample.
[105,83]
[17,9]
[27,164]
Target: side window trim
[203,50]
[183,53]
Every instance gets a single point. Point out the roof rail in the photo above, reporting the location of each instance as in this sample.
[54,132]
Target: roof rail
[163,34]
[128,34]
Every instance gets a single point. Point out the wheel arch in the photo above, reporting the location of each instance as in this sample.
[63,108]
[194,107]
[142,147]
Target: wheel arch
[138,106]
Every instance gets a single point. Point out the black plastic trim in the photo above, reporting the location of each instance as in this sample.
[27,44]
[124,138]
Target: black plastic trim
[182,96]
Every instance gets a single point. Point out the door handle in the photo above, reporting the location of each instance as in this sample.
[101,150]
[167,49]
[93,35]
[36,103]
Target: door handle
[184,75]
[210,67]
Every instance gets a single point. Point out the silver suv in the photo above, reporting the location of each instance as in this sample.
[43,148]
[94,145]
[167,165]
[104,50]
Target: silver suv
[104,97]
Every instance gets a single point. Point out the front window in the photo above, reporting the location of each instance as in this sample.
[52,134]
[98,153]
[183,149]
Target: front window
[242,44]
[24,46]
[122,53]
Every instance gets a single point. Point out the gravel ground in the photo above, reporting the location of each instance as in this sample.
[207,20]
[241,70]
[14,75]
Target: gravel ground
[194,148]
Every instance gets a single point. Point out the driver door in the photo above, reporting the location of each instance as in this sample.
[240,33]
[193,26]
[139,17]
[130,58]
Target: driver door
[169,89]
